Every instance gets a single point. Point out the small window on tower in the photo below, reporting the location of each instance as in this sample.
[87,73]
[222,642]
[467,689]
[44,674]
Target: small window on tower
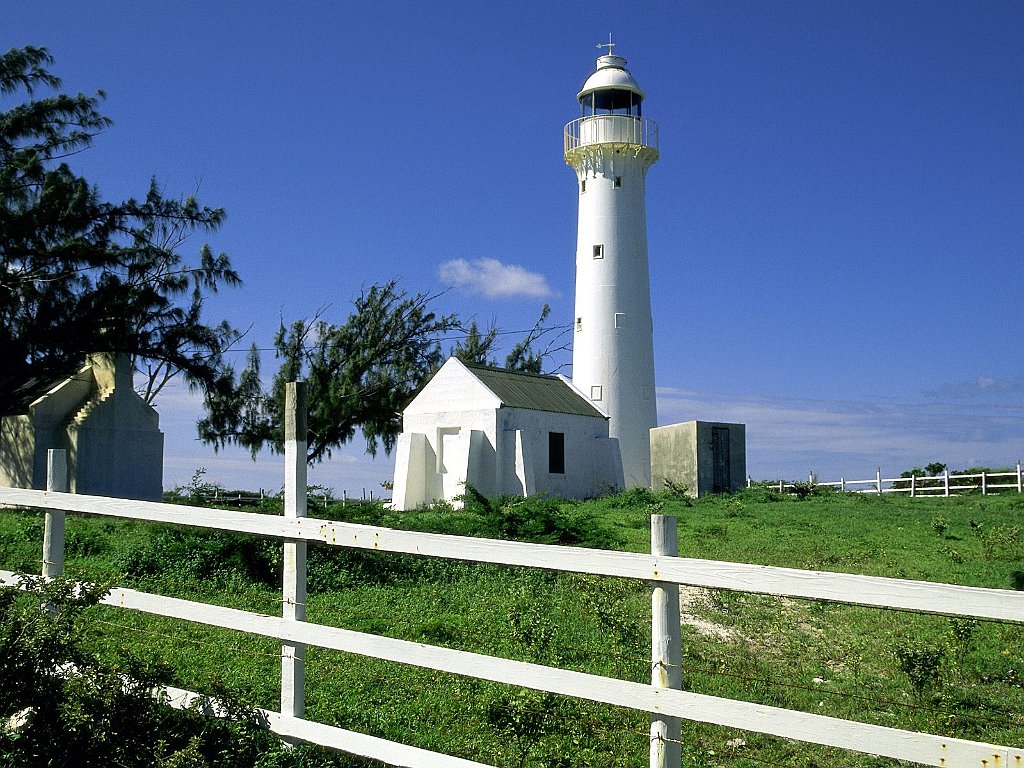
[579,323]
[583,185]
[599,251]
[620,319]
[596,392]
[556,453]
[618,182]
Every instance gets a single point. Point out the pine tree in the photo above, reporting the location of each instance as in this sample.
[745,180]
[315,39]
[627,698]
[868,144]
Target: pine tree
[80,274]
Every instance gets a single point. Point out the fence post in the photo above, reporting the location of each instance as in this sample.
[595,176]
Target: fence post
[666,645]
[913,485]
[293,655]
[945,474]
[878,480]
[1020,485]
[984,483]
[53,531]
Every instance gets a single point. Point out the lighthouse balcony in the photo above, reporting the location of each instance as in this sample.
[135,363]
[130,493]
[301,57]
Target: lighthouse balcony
[629,130]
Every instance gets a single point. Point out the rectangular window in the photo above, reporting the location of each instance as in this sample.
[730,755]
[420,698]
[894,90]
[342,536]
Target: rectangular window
[620,319]
[583,185]
[599,251]
[596,392]
[556,453]
[579,323]
[617,182]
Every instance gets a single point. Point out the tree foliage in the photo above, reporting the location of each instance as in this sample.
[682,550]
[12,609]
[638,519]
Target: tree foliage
[80,274]
[65,705]
[475,347]
[360,375]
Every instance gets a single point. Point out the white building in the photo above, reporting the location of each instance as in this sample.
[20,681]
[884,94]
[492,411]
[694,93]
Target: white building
[611,147]
[112,436]
[504,432]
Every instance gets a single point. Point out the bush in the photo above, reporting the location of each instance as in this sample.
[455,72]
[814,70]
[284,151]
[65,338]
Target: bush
[539,519]
[64,706]
[922,664]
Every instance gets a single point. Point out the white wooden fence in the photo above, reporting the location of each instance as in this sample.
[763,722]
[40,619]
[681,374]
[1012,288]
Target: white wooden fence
[945,484]
[662,698]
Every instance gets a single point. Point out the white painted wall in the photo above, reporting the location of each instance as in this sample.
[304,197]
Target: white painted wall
[613,341]
[457,431]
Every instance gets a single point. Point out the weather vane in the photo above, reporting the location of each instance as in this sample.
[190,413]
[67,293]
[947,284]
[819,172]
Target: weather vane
[609,44]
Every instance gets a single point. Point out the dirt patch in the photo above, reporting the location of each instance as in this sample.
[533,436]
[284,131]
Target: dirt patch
[689,598]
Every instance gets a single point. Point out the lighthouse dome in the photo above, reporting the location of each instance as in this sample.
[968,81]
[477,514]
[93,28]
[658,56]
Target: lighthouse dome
[611,75]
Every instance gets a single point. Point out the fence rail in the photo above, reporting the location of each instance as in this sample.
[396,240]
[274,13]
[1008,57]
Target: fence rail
[946,484]
[663,703]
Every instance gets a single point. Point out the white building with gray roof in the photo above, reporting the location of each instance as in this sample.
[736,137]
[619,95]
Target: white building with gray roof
[505,433]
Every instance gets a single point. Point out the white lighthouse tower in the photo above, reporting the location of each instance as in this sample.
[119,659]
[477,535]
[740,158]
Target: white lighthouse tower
[611,147]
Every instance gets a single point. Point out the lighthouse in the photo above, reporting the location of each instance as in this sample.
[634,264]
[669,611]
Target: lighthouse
[611,146]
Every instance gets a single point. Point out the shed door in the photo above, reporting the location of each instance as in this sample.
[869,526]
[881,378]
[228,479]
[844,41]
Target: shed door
[722,482]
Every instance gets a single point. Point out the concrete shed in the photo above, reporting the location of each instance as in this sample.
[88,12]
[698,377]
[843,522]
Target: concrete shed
[708,456]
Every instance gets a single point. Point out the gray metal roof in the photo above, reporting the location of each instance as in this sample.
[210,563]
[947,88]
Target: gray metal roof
[533,391]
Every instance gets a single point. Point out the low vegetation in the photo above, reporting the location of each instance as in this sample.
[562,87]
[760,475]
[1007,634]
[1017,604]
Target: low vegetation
[953,676]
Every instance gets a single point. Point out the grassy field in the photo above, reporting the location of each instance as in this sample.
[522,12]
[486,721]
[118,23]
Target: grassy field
[956,677]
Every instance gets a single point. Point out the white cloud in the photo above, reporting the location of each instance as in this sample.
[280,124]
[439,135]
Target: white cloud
[494,280]
[983,385]
[788,437]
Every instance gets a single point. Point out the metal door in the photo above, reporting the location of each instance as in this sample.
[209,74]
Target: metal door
[722,479]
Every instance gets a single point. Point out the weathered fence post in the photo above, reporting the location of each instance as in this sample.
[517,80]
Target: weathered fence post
[293,655]
[53,532]
[878,480]
[666,645]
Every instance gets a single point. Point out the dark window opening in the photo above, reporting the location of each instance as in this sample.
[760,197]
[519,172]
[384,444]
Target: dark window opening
[618,182]
[612,102]
[556,453]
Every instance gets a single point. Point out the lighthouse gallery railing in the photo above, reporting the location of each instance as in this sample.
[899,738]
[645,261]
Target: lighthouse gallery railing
[611,129]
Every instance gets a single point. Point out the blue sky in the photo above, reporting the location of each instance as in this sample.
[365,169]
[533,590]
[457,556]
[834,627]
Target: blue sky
[836,223]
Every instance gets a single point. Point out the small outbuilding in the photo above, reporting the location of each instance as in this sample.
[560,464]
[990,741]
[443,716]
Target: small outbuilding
[706,456]
[112,436]
[505,433]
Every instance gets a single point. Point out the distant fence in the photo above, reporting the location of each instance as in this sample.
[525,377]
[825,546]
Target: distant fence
[663,698]
[315,498]
[946,484]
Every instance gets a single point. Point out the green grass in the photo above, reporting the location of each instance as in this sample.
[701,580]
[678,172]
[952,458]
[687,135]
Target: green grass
[930,673]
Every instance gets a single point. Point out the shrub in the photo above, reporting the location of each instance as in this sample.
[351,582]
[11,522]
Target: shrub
[104,714]
[540,519]
[636,497]
[922,664]
[1000,542]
